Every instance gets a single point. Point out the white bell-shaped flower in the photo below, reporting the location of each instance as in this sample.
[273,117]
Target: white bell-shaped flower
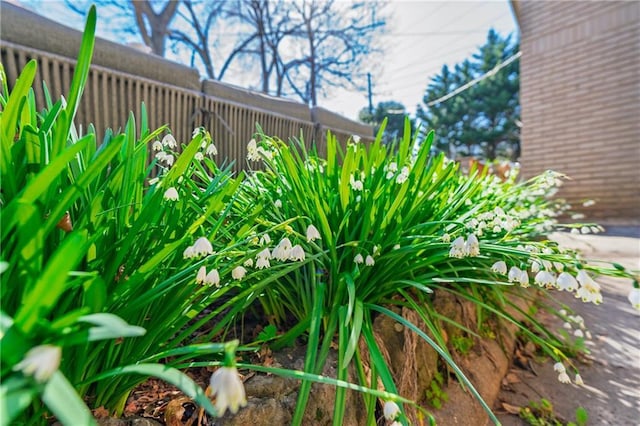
[634,297]
[296,253]
[312,233]
[202,275]
[391,410]
[499,267]
[213,278]
[566,282]
[202,247]
[228,389]
[40,362]
[238,273]
[171,194]
[169,141]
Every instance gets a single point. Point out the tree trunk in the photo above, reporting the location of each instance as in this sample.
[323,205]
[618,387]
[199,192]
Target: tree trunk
[312,66]
[156,34]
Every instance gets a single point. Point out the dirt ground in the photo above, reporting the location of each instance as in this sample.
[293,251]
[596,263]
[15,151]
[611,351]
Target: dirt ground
[611,372]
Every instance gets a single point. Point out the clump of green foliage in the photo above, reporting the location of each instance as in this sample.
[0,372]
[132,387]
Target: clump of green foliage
[436,396]
[89,247]
[108,270]
[542,414]
[102,262]
[393,225]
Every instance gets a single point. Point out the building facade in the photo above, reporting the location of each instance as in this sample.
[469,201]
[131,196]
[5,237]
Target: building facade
[580,98]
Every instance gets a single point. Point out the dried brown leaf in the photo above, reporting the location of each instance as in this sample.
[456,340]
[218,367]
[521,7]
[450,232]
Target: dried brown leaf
[511,409]
[512,378]
[101,413]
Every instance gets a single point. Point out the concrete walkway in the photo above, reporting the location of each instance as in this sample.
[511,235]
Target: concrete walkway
[611,394]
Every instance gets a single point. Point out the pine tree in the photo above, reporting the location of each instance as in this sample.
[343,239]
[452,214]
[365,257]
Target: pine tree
[483,119]
[394,112]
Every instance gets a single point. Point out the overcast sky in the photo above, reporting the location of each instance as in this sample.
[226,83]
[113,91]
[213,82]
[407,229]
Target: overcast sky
[421,37]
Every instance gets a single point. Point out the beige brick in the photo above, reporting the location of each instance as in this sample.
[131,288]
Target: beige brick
[580,97]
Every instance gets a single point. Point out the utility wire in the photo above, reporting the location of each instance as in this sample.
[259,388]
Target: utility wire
[475,81]
[431,33]
[424,69]
[453,43]
[425,16]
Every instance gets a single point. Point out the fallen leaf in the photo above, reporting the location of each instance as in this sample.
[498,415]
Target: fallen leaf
[511,409]
[100,413]
[180,412]
[530,349]
[512,378]
[131,408]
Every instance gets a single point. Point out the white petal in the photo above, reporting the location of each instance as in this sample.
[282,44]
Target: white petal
[238,273]
[171,194]
[391,410]
[202,275]
[40,362]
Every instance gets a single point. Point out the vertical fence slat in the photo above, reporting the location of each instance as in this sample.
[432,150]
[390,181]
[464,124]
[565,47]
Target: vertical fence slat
[95,106]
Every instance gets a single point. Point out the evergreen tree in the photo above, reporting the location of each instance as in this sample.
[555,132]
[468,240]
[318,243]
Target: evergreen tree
[483,119]
[394,112]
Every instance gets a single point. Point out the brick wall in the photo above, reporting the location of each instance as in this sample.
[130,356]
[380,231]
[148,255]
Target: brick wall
[580,97]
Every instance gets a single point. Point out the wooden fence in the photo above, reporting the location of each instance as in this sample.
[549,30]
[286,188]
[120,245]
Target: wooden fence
[122,78]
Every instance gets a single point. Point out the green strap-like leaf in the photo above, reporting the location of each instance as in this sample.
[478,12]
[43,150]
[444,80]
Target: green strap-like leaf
[63,401]
[82,67]
[52,282]
[354,337]
[310,357]
[16,393]
[8,125]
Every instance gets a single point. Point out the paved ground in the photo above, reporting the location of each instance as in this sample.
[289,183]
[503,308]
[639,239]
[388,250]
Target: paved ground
[611,394]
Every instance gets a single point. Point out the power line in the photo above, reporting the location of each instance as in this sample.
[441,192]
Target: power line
[492,72]
[424,66]
[431,33]
[429,14]
[475,81]
[455,43]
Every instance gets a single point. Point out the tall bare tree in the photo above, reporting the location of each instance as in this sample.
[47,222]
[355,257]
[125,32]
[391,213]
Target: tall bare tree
[195,32]
[338,37]
[136,17]
[271,25]
[299,48]
[154,26]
